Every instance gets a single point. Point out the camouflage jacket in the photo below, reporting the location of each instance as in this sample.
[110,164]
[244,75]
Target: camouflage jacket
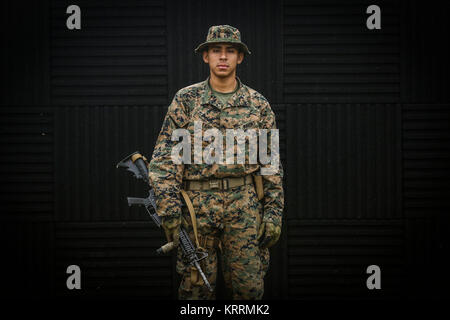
[245,109]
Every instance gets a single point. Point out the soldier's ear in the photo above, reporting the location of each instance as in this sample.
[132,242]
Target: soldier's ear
[205,56]
[240,57]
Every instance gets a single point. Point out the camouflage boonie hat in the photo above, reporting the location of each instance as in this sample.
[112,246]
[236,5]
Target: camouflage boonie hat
[223,33]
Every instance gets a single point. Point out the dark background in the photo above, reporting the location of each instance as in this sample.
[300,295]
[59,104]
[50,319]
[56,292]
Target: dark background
[363,115]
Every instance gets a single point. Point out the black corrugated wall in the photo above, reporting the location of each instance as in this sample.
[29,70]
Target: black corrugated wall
[364,128]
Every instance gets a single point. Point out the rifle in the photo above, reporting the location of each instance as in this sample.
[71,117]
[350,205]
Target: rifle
[135,163]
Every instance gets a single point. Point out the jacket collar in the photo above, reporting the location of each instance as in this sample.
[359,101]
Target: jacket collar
[240,98]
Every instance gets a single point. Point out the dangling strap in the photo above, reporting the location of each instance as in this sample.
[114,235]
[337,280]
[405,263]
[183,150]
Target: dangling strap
[259,186]
[192,213]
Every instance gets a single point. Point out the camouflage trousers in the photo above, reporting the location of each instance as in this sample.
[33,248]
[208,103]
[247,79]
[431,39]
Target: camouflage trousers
[233,217]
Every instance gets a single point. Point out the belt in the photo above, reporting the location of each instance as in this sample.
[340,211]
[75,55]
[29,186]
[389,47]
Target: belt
[209,242]
[217,184]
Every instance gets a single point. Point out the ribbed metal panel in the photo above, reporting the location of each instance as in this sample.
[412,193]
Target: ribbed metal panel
[344,161]
[27,259]
[331,56]
[118,56]
[425,63]
[260,25]
[27,137]
[426,159]
[426,147]
[281,121]
[329,259]
[24,53]
[89,144]
[115,259]
[428,240]
[27,200]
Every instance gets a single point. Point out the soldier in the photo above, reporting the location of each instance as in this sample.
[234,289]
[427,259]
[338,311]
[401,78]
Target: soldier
[229,215]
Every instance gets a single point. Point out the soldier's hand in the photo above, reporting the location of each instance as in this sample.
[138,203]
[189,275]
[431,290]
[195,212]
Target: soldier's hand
[171,226]
[268,234]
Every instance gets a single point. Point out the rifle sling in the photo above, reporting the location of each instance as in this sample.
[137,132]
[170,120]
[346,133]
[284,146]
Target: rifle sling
[192,213]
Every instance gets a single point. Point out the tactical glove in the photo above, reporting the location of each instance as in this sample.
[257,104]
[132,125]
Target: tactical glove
[268,234]
[171,226]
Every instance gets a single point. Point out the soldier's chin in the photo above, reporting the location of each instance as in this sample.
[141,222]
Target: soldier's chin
[223,73]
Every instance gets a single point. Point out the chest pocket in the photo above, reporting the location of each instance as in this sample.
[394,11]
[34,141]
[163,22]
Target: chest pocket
[240,118]
[208,116]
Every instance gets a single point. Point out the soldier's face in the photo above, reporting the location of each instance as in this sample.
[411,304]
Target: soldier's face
[223,59]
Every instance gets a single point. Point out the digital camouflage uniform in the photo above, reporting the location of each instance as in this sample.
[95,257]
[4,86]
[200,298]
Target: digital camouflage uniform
[232,216]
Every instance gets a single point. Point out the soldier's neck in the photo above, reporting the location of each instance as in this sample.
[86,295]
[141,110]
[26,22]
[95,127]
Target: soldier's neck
[223,85]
